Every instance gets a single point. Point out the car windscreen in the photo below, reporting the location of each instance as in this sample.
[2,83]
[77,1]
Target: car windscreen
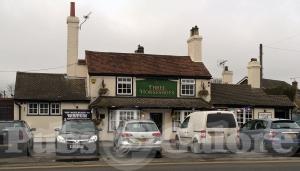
[221,120]
[78,127]
[141,127]
[284,124]
[5,125]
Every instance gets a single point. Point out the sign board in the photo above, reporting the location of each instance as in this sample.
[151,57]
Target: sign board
[74,114]
[264,115]
[156,88]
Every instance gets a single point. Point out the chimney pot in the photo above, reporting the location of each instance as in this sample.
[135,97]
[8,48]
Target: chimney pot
[253,59]
[72,9]
[140,49]
[295,84]
[226,68]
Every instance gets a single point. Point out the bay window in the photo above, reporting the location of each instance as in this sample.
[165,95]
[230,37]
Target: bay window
[178,117]
[118,116]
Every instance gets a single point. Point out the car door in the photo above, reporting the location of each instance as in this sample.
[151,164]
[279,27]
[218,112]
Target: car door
[246,132]
[183,131]
[257,134]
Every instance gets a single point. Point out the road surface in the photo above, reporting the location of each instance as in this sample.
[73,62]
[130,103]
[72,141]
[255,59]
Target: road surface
[186,166]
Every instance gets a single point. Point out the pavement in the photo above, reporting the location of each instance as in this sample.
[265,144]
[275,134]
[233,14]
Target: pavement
[44,157]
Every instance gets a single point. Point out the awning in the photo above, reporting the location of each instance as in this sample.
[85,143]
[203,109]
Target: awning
[139,102]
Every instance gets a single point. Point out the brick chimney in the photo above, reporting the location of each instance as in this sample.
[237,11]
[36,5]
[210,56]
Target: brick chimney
[72,41]
[227,76]
[195,45]
[254,73]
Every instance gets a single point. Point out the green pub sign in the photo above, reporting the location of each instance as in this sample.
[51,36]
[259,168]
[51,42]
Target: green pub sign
[156,88]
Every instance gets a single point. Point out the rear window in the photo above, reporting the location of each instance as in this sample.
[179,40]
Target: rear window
[5,125]
[141,127]
[221,121]
[285,124]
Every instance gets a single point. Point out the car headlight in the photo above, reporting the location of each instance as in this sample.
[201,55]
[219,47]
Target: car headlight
[93,138]
[60,139]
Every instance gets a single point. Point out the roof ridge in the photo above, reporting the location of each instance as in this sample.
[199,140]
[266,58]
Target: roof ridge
[33,73]
[89,51]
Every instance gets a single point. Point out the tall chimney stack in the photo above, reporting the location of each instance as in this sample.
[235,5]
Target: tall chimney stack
[72,42]
[227,76]
[254,73]
[195,45]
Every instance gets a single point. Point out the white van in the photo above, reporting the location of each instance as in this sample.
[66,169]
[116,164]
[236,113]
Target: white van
[205,131]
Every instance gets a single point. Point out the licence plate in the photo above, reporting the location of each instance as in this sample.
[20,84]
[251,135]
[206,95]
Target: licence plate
[76,146]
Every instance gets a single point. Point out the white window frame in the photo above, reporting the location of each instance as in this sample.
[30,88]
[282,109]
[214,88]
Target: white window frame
[125,81]
[243,115]
[115,117]
[57,107]
[179,117]
[30,108]
[187,82]
[43,108]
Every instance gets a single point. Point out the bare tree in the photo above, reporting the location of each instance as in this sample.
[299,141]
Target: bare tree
[11,89]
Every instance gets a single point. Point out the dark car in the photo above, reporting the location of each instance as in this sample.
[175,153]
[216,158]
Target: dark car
[280,136]
[77,139]
[16,137]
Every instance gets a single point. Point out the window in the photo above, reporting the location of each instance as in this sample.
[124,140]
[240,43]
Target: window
[55,109]
[124,86]
[118,116]
[44,108]
[178,117]
[33,108]
[187,87]
[243,115]
[221,121]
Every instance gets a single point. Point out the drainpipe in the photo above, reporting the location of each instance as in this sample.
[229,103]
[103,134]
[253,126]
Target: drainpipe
[20,108]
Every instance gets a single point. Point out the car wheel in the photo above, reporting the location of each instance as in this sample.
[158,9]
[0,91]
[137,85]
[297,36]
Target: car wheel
[195,147]
[177,143]
[29,150]
[158,154]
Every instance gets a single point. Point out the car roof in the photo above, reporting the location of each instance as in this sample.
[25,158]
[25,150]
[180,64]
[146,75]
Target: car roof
[136,120]
[272,119]
[10,121]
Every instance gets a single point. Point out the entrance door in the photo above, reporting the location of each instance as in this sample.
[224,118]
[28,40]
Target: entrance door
[157,118]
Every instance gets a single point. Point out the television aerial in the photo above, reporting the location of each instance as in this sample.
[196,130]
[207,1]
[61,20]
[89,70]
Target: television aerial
[222,62]
[85,18]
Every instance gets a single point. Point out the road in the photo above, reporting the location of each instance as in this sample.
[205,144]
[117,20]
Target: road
[186,166]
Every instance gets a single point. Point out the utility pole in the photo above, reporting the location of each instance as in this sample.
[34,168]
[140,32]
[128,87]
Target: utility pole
[261,63]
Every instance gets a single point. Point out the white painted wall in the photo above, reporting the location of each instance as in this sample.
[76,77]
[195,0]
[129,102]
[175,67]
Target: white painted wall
[263,110]
[254,74]
[45,125]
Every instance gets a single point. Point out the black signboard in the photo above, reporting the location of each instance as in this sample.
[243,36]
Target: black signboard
[75,114]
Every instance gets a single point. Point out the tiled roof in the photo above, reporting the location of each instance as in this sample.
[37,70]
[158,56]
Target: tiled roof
[137,64]
[139,102]
[244,95]
[267,83]
[49,87]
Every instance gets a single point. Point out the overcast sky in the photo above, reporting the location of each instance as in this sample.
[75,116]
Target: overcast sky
[33,32]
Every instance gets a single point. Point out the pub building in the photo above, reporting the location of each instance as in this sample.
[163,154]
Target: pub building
[114,87]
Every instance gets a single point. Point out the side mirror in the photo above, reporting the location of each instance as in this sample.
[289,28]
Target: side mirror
[179,125]
[33,129]
[57,129]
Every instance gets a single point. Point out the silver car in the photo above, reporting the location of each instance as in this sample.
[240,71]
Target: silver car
[280,136]
[138,135]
